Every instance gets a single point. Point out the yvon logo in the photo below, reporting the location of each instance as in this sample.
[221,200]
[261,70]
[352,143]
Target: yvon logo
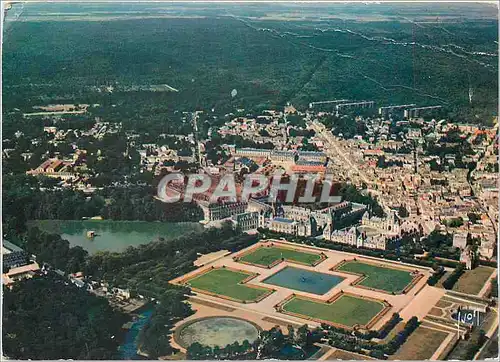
[469,316]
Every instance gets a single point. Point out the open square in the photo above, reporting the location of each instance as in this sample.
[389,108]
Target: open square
[390,280]
[343,310]
[269,256]
[229,284]
[304,280]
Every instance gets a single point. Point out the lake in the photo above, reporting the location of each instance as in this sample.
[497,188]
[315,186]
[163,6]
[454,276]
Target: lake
[114,235]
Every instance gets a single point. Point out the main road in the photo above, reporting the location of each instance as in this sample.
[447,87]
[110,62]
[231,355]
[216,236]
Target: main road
[330,140]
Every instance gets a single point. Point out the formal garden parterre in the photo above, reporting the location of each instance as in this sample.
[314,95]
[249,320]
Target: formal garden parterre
[227,283]
[253,277]
[274,282]
[342,310]
[268,256]
[378,277]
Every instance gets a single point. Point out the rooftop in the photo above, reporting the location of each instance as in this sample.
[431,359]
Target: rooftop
[283,220]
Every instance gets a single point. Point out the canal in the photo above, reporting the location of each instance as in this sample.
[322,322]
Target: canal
[128,349]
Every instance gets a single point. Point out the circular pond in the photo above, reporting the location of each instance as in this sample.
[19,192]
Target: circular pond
[216,331]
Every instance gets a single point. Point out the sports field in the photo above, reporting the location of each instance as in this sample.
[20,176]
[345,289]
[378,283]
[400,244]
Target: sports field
[378,277]
[346,310]
[267,255]
[227,283]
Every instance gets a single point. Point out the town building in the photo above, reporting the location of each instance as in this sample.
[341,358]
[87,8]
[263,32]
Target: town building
[19,273]
[13,256]
[213,212]
[468,256]
[373,233]
[247,221]
[53,168]
[312,156]
[460,239]
[358,237]
[308,167]
[289,226]
[387,224]
[282,156]
[252,152]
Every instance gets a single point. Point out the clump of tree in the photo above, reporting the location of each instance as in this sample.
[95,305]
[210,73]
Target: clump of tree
[54,250]
[455,222]
[403,212]
[352,194]
[329,329]
[138,203]
[389,325]
[475,342]
[466,349]
[154,338]
[434,278]
[48,318]
[23,200]
[359,343]
[392,346]
[454,276]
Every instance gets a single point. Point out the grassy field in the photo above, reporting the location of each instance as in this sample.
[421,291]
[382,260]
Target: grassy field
[472,281]
[346,355]
[227,283]
[421,344]
[378,277]
[265,256]
[347,310]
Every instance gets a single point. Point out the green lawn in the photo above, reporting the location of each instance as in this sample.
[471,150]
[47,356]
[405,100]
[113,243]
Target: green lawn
[265,256]
[472,281]
[379,277]
[227,283]
[421,345]
[347,310]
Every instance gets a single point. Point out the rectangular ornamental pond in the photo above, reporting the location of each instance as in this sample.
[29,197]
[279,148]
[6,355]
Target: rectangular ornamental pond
[304,280]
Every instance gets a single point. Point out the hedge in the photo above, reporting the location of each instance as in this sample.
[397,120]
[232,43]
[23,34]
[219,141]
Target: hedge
[436,276]
[452,279]
[389,325]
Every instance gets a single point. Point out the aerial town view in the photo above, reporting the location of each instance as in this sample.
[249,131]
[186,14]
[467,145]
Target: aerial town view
[249,181]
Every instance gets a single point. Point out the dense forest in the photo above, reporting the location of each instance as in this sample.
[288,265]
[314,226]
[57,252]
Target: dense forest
[268,62]
[51,319]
